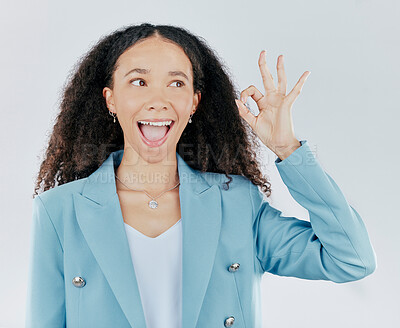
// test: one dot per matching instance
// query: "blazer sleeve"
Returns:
(333, 246)
(45, 303)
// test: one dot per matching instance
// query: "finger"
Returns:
(291, 97)
(246, 114)
(254, 93)
(282, 81)
(265, 74)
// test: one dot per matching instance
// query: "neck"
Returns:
(153, 173)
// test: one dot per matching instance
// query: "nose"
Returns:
(157, 102)
(157, 106)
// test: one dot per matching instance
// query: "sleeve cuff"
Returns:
(301, 156)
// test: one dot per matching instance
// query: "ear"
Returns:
(196, 100)
(108, 95)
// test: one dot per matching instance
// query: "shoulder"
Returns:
(240, 187)
(58, 201)
(62, 192)
(238, 182)
(242, 199)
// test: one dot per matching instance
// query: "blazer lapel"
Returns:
(99, 216)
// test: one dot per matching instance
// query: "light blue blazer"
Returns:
(81, 273)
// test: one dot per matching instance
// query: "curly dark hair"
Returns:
(84, 126)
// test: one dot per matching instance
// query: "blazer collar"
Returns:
(104, 176)
(99, 216)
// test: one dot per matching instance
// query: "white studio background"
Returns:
(348, 111)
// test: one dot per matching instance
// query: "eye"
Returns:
(135, 81)
(179, 82)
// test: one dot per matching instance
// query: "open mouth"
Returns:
(154, 136)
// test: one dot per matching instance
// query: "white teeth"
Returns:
(156, 123)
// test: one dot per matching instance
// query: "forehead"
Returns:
(155, 54)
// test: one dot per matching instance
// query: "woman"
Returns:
(142, 229)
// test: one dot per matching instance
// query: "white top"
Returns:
(158, 268)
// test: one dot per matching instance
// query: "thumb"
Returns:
(245, 113)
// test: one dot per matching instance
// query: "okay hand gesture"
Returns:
(273, 125)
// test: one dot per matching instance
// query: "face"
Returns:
(153, 82)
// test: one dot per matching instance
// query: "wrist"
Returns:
(284, 152)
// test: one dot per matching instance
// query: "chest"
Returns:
(150, 222)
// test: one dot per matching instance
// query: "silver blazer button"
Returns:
(229, 322)
(234, 267)
(78, 282)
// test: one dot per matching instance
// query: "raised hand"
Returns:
(273, 125)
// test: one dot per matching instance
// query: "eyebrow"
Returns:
(146, 71)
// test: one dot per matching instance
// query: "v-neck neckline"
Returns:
(148, 237)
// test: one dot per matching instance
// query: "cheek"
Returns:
(128, 107)
(127, 102)
(126, 98)
(183, 104)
